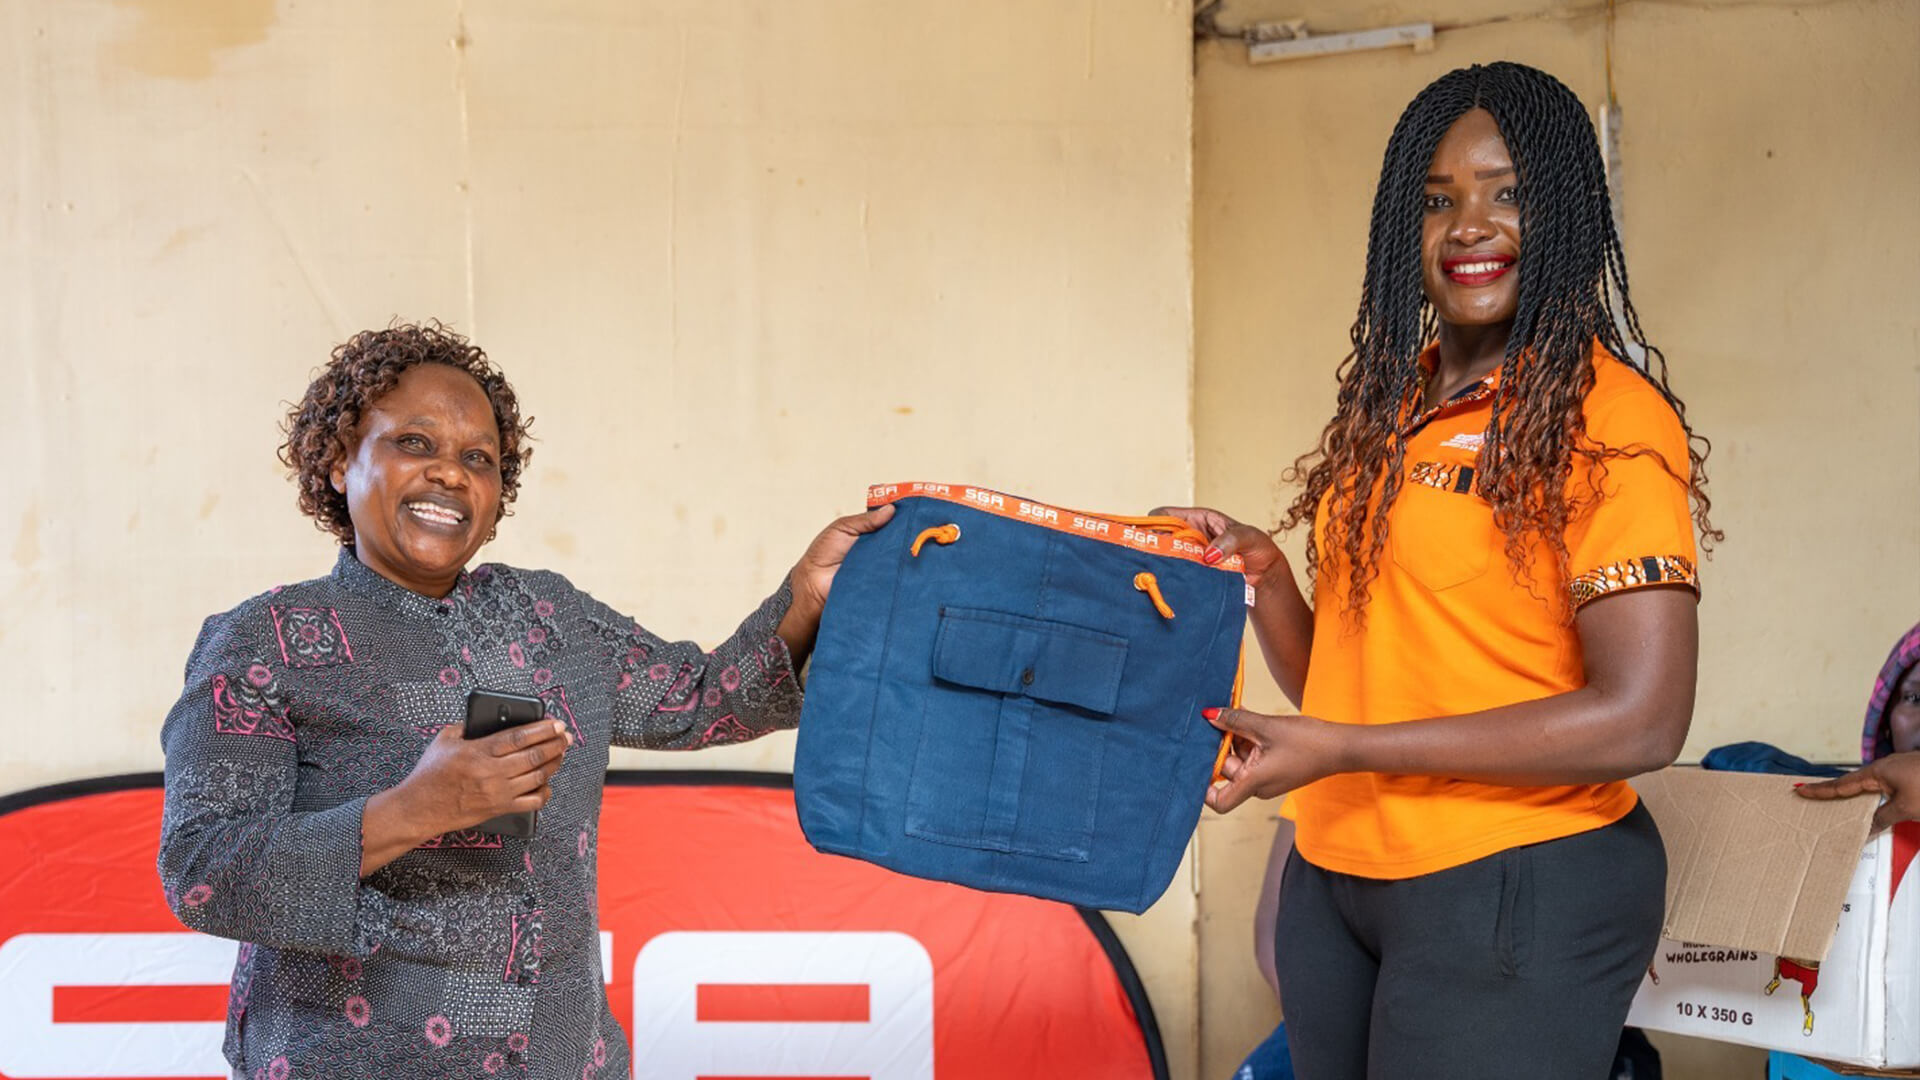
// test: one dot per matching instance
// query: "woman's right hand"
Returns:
(459, 783)
(1897, 776)
(1229, 537)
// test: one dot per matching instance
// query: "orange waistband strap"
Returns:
(1166, 536)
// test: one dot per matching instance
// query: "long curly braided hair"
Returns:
(1571, 272)
(324, 427)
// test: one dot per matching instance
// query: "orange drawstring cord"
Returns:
(1220, 759)
(939, 534)
(1147, 583)
(1226, 738)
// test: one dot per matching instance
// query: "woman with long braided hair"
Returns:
(1503, 629)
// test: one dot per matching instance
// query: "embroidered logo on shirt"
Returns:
(1446, 476)
(1466, 441)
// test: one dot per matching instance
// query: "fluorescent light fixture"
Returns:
(1418, 35)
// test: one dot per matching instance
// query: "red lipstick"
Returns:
(1474, 270)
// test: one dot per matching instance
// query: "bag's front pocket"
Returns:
(1013, 734)
(1442, 537)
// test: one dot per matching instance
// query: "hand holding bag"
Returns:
(1007, 695)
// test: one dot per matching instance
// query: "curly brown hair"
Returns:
(1575, 274)
(323, 428)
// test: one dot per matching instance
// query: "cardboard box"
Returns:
(1782, 930)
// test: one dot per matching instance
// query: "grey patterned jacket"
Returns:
(475, 954)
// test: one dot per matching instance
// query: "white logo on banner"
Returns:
(32, 965)
(893, 1042)
(891, 972)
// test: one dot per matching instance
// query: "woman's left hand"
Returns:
(1272, 755)
(812, 576)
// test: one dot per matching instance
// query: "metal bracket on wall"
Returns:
(1289, 39)
(1293, 42)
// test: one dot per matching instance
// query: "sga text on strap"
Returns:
(1165, 536)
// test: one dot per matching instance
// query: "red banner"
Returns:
(729, 944)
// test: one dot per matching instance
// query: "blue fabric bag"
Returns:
(1271, 1060)
(1759, 757)
(1007, 695)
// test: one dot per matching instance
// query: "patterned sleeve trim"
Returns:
(1633, 574)
(677, 696)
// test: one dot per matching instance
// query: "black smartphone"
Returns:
(491, 711)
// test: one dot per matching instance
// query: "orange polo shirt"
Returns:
(1450, 630)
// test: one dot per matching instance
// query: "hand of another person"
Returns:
(1229, 537)
(1272, 755)
(812, 576)
(1897, 776)
(459, 783)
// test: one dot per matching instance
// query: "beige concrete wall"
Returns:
(1774, 247)
(740, 259)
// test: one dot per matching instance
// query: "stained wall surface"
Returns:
(740, 260)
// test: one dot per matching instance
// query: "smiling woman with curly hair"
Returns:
(322, 804)
(323, 427)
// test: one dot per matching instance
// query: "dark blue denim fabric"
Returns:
(1268, 1061)
(1759, 757)
(1008, 712)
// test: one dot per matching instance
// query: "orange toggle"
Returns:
(939, 534)
(1147, 583)
(1220, 759)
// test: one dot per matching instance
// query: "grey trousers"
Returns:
(1521, 964)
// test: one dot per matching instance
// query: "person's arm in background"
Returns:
(1266, 912)
(1896, 776)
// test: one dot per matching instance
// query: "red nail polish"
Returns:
(1210, 713)
(1212, 555)
(1799, 785)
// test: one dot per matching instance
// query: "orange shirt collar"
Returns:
(1428, 360)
